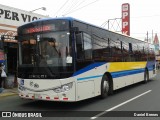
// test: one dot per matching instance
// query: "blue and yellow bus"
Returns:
(65, 59)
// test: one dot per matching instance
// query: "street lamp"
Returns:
(43, 8)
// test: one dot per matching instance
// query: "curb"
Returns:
(7, 94)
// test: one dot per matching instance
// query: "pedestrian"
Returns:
(2, 77)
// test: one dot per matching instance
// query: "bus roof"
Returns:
(44, 19)
(74, 19)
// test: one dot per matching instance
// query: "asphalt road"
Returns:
(127, 103)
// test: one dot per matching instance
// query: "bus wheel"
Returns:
(146, 76)
(104, 87)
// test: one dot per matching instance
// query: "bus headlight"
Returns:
(63, 88)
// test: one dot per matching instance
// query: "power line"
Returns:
(72, 4)
(81, 7)
(146, 16)
(61, 7)
(75, 6)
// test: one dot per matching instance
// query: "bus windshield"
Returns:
(45, 50)
(48, 49)
(49, 52)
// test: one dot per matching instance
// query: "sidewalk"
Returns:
(10, 90)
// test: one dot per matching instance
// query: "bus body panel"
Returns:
(124, 81)
(85, 89)
(89, 80)
(126, 66)
(46, 90)
(123, 74)
(87, 83)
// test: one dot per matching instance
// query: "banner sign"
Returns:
(126, 19)
(11, 18)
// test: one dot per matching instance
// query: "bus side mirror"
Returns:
(69, 60)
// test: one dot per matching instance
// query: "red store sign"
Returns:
(126, 19)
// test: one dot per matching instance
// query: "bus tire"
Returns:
(146, 76)
(104, 87)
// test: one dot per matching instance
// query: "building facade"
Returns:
(10, 19)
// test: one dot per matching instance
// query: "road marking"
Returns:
(102, 113)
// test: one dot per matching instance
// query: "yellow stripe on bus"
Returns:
(122, 66)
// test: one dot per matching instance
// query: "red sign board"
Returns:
(39, 29)
(126, 18)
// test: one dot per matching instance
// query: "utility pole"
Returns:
(147, 46)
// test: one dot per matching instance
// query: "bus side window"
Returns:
(87, 46)
(125, 51)
(79, 46)
(84, 46)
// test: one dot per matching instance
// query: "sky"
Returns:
(144, 14)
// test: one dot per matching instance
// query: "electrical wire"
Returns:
(81, 7)
(70, 6)
(73, 7)
(61, 7)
